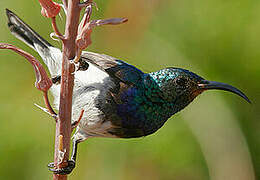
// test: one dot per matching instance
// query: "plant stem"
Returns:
(63, 125)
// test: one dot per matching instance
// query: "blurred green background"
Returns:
(216, 137)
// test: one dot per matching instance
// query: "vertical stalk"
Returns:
(63, 125)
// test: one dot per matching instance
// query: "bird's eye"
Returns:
(181, 82)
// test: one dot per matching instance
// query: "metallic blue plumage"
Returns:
(148, 105)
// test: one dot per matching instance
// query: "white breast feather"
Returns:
(88, 86)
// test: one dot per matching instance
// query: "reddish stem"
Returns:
(48, 105)
(63, 126)
(55, 28)
(43, 82)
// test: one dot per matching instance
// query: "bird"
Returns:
(119, 100)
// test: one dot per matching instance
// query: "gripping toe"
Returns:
(62, 171)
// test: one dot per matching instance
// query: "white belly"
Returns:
(90, 86)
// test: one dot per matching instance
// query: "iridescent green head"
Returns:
(181, 86)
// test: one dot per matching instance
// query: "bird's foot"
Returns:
(62, 171)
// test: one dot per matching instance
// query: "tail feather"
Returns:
(24, 32)
(50, 55)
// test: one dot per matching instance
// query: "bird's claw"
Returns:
(62, 171)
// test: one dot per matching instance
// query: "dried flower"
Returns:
(49, 8)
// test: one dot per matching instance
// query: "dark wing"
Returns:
(116, 68)
(125, 76)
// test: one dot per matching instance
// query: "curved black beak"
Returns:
(206, 85)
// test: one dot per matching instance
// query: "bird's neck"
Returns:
(158, 108)
(145, 108)
(165, 104)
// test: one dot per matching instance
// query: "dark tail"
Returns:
(24, 32)
(50, 55)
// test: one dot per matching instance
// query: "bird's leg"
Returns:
(71, 163)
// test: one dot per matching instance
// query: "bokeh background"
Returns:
(216, 138)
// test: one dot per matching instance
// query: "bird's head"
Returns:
(182, 86)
